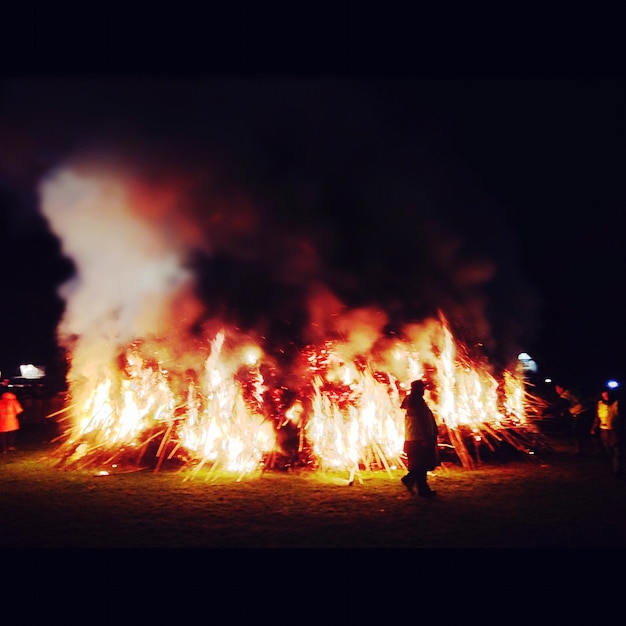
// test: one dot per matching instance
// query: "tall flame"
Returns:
(346, 416)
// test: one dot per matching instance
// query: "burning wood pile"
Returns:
(337, 408)
(205, 331)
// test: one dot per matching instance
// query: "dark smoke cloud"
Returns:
(274, 190)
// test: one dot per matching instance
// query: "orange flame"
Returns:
(346, 416)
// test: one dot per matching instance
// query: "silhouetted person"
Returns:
(582, 416)
(420, 441)
(608, 422)
(10, 408)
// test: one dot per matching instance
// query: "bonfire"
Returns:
(236, 414)
(157, 377)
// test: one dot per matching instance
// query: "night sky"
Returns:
(495, 199)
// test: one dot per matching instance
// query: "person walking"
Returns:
(420, 441)
(10, 408)
(607, 421)
(582, 415)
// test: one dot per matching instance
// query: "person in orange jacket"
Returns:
(10, 408)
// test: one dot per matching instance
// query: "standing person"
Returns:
(420, 441)
(582, 417)
(10, 408)
(607, 420)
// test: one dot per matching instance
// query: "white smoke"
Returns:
(273, 199)
(128, 269)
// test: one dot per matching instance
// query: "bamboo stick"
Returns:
(63, 419)
(67, 408)
(111, 457)
(489, 431)
(300, 438)
(477, 451)
(382, 458)
(142, 449)
(195, 470)
(161, 448)
(63, 434)
(354, 470)
(173, 452)
(460, 449)
(212, 470)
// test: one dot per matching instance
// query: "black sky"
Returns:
(497, 196)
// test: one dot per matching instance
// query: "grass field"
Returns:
(557, 500)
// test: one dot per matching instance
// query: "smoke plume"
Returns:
(291, 210)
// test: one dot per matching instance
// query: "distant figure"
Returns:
(420, 441)
(608, 422)
(10, 408)
(582, 417)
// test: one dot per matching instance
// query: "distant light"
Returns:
(527, 362)
(612, 384)
(547, 380)
(32, 371)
